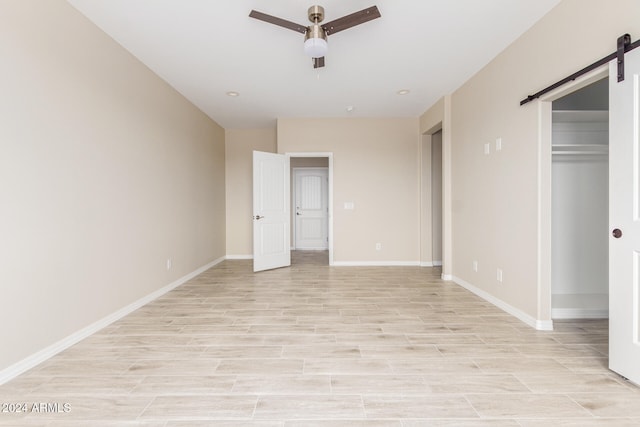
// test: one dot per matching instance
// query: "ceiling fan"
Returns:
(315, 35)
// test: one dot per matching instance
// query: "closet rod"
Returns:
(624, 46)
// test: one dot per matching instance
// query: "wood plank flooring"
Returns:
(313, 345)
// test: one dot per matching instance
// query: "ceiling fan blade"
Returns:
(318, 62)
(278, 21)
(351, 20)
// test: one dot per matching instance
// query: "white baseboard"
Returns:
(233, 257)
(376, 263)
(349, 263)
(541, 325)
(431, 264)
(579, 313)
(35, 359)
(446, 277)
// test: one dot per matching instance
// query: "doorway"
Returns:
(436, 198)
(311, 207)
(431, 202)
(580, 203)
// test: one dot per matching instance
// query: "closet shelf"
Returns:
(572, 116)
(573, 149)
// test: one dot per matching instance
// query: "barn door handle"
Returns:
(258, 217)
(617, 233)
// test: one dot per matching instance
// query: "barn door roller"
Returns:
(623, 43)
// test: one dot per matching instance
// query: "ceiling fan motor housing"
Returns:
(316, 14)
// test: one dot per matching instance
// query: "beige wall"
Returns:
(376, 166)
(240, 145)
(432, 120)
(105, 173)
(495, 197)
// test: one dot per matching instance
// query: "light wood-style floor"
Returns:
(314, 345)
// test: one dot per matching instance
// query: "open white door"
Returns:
(271, 211)
(624, 218)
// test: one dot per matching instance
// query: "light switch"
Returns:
(349, 205)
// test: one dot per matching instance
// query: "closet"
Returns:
(580, 170)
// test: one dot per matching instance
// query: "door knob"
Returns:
(258, 217)
(617, 233)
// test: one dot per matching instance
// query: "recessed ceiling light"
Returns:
(233, 93)
(403, 92)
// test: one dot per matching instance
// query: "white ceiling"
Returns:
(206, 48)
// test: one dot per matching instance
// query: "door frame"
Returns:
(329, 156)
(294, 195)
(545, 120)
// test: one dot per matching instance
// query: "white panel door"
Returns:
(271, 211)
(311, 208)
(624, 219)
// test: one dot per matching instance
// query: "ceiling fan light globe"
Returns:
(315, 47)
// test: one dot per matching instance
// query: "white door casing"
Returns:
(624, 215)
(271, 211)
(311, 208)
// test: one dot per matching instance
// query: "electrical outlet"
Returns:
(499, 275)
(498, 144)
(168, 263)
(378, 246)
(475, 266)
(487, 148)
